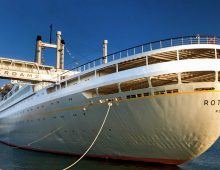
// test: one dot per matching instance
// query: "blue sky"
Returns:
(86, 23)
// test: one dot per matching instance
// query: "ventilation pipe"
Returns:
(59, 53)
(62, 54)
(38, 50)
(58, 49)
(105, 45)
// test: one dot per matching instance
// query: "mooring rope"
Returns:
(91, 145)
(40, 139)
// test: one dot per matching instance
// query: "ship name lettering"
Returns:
(14, 73)
(29, 75)
(211, 102)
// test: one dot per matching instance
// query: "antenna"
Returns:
(51, 29)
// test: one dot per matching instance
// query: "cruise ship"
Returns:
(164, 96)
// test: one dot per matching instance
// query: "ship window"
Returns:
(106, 70)
(204, 89)
(132, 64)
(91, 93)
(165, 79)
(162, 57)
(134, 84)
(173, 91)
(219, 76)
(218, 54)
(63, 85)
(87, 76)
(139, 95)
(51, 89)
(146, 94)
(70, 99)
(72, 81)
(109, 89)
(196, 53)
(198, 76)
(159, 92)
(133, 96)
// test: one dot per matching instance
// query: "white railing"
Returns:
(186, 40)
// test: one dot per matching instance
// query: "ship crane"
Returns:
(35, 71)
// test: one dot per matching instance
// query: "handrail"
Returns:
(170, 42)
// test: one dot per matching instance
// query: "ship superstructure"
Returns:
(164, 95)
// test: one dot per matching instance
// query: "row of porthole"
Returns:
(55, 117)
(38, 107)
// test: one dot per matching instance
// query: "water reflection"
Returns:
(17, 159)
(13, 158)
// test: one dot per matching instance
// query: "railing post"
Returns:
(171, 42)
(160, 44)
(113, 57)
(179, 78)
(177, 55)
(119, 87)
(146, 60)
(182, 40)
(79, 79)
(134, 51)
(191, 40)
(120, 54)
(150, 46)
(127, 53)
(93, 63)
(142, 48)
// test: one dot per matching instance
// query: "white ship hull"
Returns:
(170, 128)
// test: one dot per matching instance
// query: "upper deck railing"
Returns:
(185, 40)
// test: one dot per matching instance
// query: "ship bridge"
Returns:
(26, 71)
(36, 71)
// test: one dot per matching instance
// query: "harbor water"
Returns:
(17, 159)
